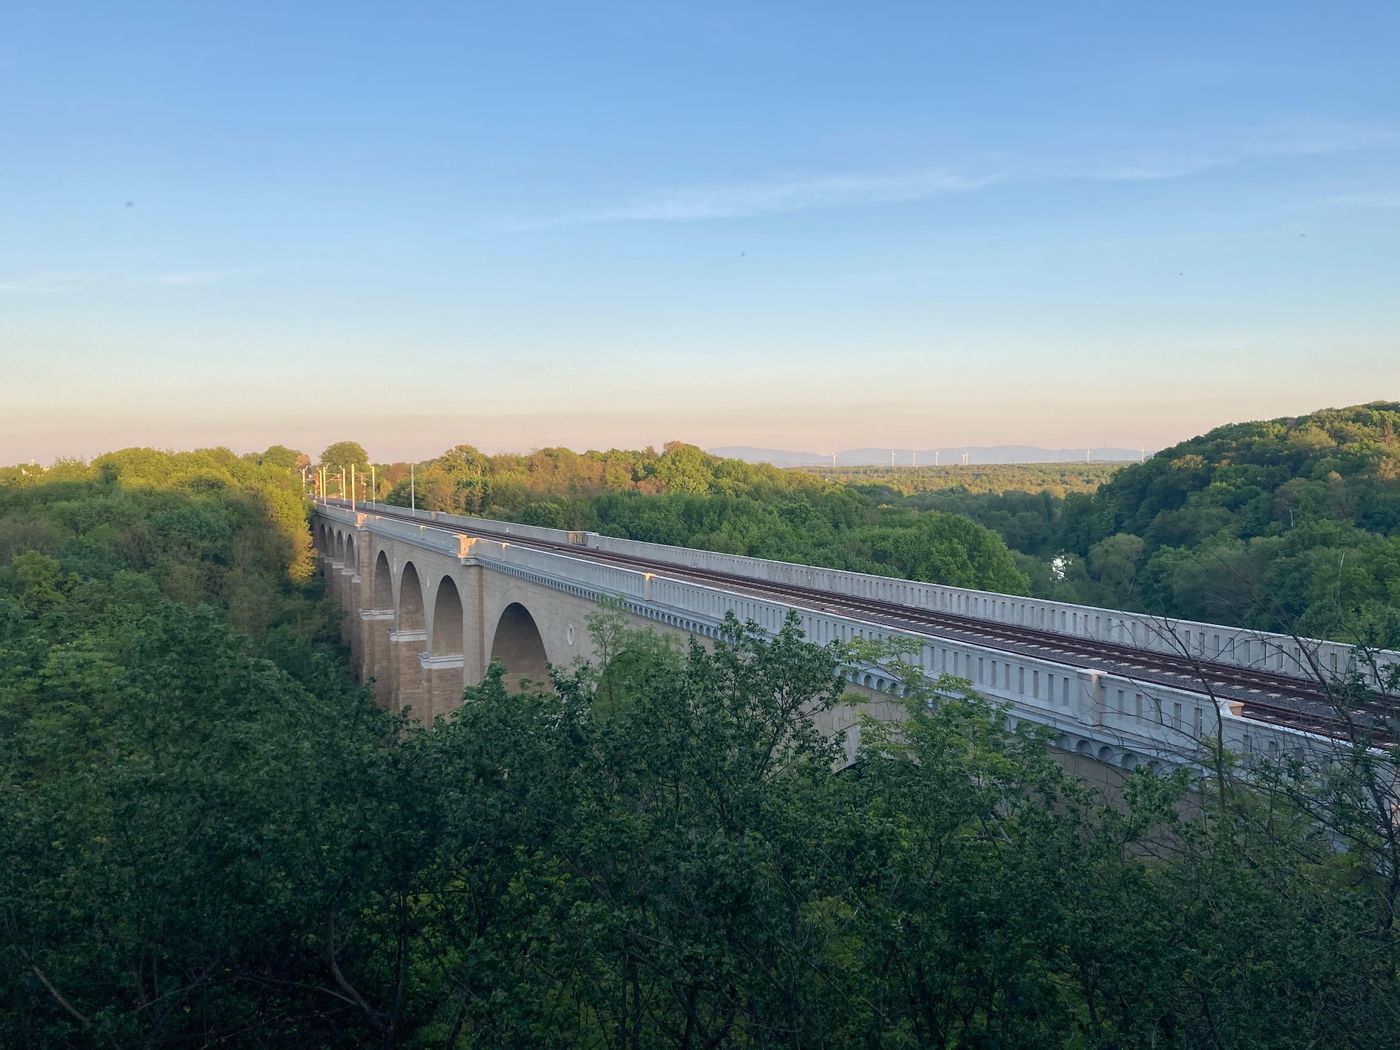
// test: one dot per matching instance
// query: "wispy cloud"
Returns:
(1294, 139)
(42, 283)
(743, 200)
(699, 203)
(217, 275)
(1374, 199)
(54, 283)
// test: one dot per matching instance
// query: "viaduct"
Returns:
(429, 600)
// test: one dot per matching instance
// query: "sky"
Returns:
(793, 225)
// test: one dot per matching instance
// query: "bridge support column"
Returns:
(405, 648)
(375, 625)
(442, 684)
(329, 568)
(348, 596)
(470, 583)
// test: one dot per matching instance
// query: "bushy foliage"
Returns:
(211, 838)
(684, 497)
(174, 717)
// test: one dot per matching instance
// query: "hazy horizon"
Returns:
(391, 445)
(785, 226)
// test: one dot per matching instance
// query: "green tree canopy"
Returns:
(284, 457)
(211, 838)
(344, 453)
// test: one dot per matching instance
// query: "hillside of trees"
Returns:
(1287, 524)
(684, 496)
(1056, 479)
(210, 837)
(1290, 524)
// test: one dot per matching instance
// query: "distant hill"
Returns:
(778, 457)
(876, 457)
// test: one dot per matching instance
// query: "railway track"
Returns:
(1280, 699)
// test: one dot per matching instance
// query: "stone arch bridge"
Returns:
(428, 601)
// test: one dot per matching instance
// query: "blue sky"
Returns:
(796, 225)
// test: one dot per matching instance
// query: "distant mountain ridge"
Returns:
(927, 457)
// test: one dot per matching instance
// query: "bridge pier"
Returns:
(442, 684)
(374, 663)
(329, 568)
(348, 592)
(406, 648)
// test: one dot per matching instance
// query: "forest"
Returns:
(683, 496)
(1288, 525)
(211, 837)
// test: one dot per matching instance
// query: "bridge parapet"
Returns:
(548, 566)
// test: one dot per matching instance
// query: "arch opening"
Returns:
(447, 620)
(410, 600)
(383, 583)
(518, 647)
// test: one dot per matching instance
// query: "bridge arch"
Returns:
(518, 645)
(350, 560)
(447, 634)
(410, 600)
(383, 582)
